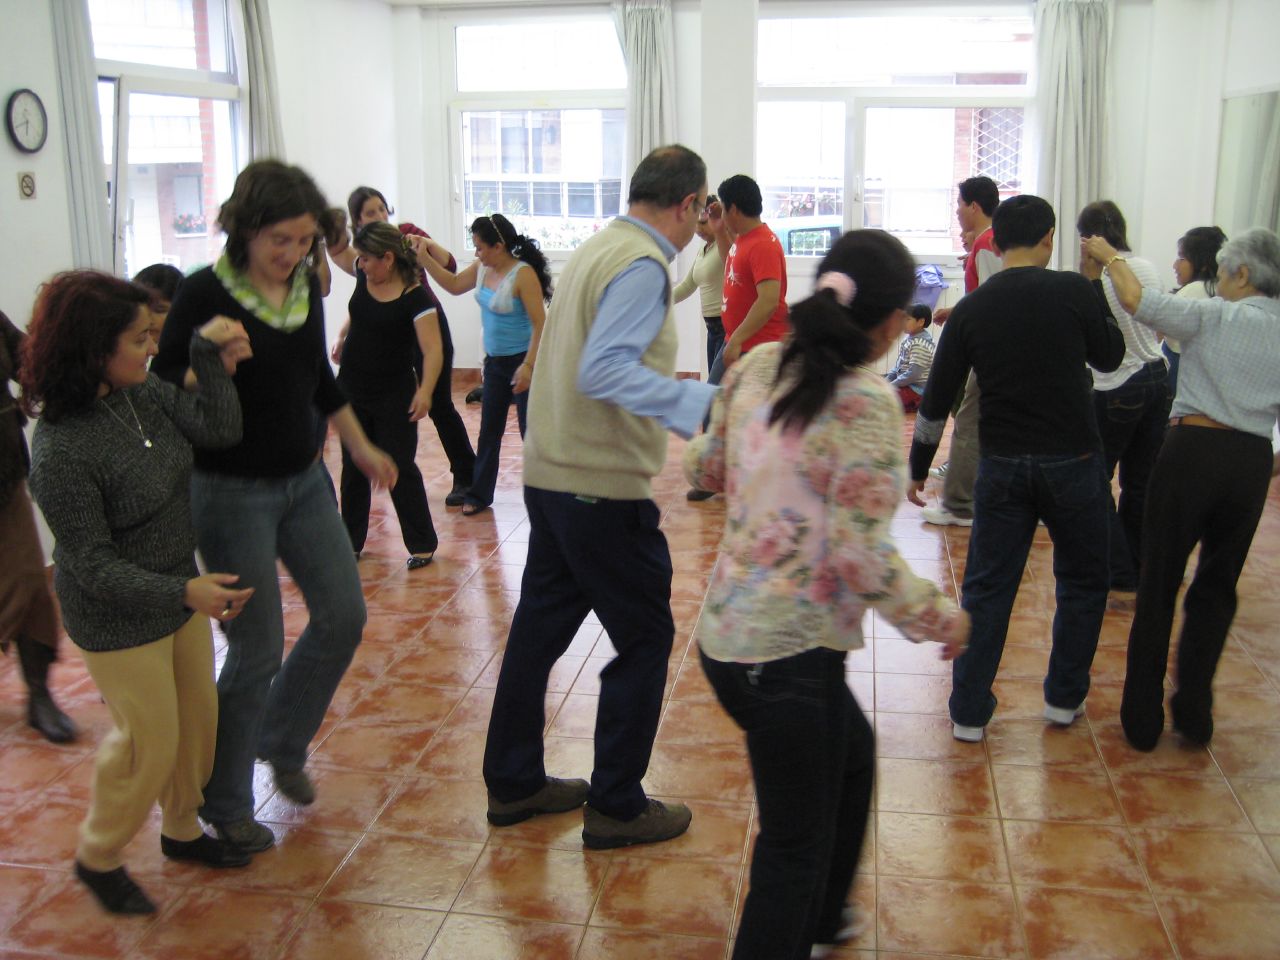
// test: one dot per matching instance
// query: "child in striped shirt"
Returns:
(915, 357)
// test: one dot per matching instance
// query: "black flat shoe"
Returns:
(458, 495)
(417, 563)
(115, 890)
(470, 509)
(205, 849)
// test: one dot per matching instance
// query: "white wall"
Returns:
(1251, 60)
(37, 231)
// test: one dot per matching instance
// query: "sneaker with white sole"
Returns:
(1063, 716)
(940, 473)
(967, 734)
(942, 517)
(852, 925)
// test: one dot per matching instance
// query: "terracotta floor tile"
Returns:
(1261, 801)
(549, 885)
(300, 864)
(440, 666)
(1215, 865)
(457, 631)
(68, 920)
(1172, 755)
(404, 873)
(1039, 744)
(1155, 800)
(412, 703)
(42, 833)
(940, 848)
(563, 678)
(438, 809)
(940, 916)
(923, 786)
(896, 655)
(346, 800)
(1018, 699)
(606, 944)
(359, 931)
(1246, 709)
(456, 753)
(719, 832)
(1222, 929)
(915, 736)
(576, 717)
(22, 887)
(700, 771)
(698, 722)
(1068, 924)
(907, 693)
(378, 747)
(25, 767)
(261, 923)
(465, 936)
(669, 896)
(1247, 753)
(1072, 855)
(1046, 793)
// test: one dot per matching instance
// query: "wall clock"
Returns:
(26, 120)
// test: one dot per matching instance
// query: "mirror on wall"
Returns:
(1248, 193)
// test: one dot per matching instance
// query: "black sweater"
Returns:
(282, 388)
(1028, 334)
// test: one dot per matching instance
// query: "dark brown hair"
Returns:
(267, 192)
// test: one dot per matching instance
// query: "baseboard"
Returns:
(471, 376)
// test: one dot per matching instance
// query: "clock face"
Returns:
(27, 123)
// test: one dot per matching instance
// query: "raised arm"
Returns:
(432, 257)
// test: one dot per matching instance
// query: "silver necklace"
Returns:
(146, 441)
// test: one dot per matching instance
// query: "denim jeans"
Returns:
(813, 759)
(715, 340)
(1070, 495)
(268, 710)
(1132, 420)
(494, 405)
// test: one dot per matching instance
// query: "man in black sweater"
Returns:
(1027, 333)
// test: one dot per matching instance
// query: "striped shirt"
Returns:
(1140, 344)
(915, 359)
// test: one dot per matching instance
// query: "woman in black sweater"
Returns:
(111, 463)
(269, 497)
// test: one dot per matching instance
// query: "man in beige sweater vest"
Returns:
(602, 398)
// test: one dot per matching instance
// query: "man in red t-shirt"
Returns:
(754, 310)
(977, 201)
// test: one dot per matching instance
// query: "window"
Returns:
(169, 105)
(540, 121)
(910, 127)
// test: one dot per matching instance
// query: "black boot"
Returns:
(42, 713)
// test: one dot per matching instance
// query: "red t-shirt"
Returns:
(756, 256)
(983, 249)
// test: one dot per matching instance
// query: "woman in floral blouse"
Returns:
(806, 443)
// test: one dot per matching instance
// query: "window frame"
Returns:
(130, 78)
(858, 99)
(458, 103)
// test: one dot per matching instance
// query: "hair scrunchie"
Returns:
(843, 285)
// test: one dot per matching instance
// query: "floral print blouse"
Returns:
(806, 546)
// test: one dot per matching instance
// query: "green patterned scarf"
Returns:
(290, 316)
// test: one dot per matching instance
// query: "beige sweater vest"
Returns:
(575, 444)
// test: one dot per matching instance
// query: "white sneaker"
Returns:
(852, 925)
(940, 473)
(1063, 716)
(967, 734)
(942, 517)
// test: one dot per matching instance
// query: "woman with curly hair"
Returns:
(393, 324)
(111, 465)
(268, 499)
(512, 285)
(806, 443)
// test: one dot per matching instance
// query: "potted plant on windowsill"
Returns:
(187, 224)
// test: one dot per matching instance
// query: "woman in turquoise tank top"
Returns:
(512, 310)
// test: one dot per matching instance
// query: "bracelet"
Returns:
(1107, 265)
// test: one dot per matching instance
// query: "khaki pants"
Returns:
(962, 469)
(165, 706)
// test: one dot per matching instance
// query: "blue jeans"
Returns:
(813, 759)
(494, 405)
(1010, 495)
(265, 709)
(1132, 420)
(715, 341)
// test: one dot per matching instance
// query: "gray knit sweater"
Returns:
(121, 511)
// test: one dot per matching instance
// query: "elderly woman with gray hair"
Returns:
(1210, 480)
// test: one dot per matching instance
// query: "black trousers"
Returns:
(448, 422)
(385, 418)
(586, 553)
(1209, 487)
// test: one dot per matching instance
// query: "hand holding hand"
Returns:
(1098, 249)
(914, 490)
(211, 595)
(222, 330)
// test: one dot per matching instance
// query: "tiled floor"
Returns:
(1038, 843)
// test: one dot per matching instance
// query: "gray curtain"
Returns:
(82, 129)
(263, 129)
(648, 45)
(1072, 92)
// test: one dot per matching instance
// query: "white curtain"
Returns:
(263, 129)
(81, 127)
(649, 45)
(1072, 92)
